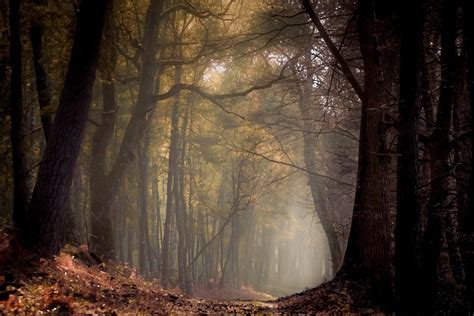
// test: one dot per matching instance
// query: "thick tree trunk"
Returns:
(407, 230)
(46, 215)
(20, 180)
(369, 240)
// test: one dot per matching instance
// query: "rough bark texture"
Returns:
(46, 215)
(20, 183)
(407, 229)
(369, 240)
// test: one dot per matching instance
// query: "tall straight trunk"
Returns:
(130, 245)
(186, 214)
(46, 214)
(121, 221)
(369, 240)
(467, 217)
(172, 200)
(461, 126)
(438, 205)
(145, 256)
(102, 239)
(309, 152)
(102, 138)
(20, 180)
(407, 229)
(157, 235)
(43, 87)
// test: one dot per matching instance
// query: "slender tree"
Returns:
(20, 181)
(102, 239)
(43, 86)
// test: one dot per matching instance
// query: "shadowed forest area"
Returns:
(237, 156)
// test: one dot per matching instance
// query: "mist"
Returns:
(278, 156)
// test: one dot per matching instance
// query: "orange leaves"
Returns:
(11, 304)
(55, 301)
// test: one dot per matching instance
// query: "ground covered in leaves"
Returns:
(73, 283)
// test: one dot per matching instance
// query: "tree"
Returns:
(407, 229)
(43, 86)
(370, 220)
(45, 218)
(467, 215)
(102, 239)
(20, 185)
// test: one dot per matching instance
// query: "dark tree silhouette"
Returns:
(45, 219)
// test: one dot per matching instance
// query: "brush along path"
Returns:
(69, 285)
(74, 282)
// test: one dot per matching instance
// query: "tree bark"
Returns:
(46, 216)
(20, 180)
(369, 240)
(145, 256)
(407, 229)
(439, 147)
(467, 217)
(43, 87)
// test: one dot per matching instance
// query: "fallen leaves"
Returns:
(68, 284)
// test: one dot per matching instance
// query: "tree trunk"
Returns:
(103, 135)
(157, 235)
(369, 240)
(43, 87)
(467, 217)
(145, 256)
(20, 180)
(182, 202)
(46, 215)
(438, 205)
(102, 239)
(324, 214)
(172, 200)
(407, 230)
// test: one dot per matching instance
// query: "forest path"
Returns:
(198, 306)
(67, 284)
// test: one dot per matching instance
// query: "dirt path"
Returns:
(197, 306)
(67, 285)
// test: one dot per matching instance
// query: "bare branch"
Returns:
(332, 47)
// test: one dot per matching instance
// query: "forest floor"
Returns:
(70, 283)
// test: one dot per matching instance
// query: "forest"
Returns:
(237, 157)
